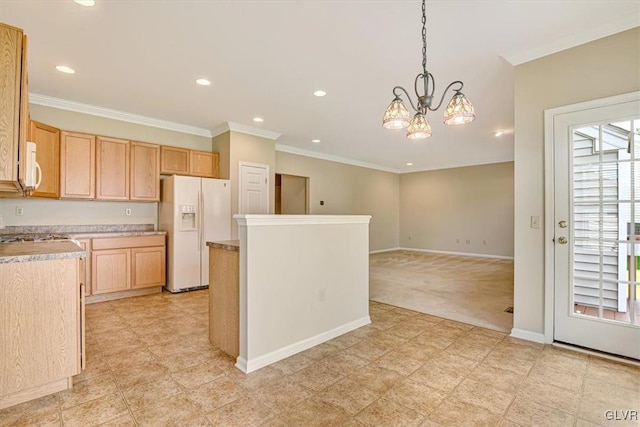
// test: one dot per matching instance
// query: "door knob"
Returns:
(562, 224)
(562, 240)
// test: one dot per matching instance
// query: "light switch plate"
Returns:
(19, 211)
(535, 221)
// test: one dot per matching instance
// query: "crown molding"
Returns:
(580, 37)
(240, 128)
(64, 104)
(299, 151)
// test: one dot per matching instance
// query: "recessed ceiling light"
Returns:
(203, 82)
(315, 141)
(65, 69)
(319, 93)
(498, 132)
(87, 3)
(258, 119)
(409, 164)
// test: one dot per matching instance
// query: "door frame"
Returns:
(550, 116)
(256, 165)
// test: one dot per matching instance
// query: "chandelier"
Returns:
(458, 111)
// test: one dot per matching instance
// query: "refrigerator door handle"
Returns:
(201, 221)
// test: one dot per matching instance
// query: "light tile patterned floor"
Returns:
(150, 364)
(467, 289)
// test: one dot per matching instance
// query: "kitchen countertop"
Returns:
(39, 251)
(229, 245)
(99, 234)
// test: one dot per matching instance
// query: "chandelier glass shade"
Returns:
(419, 127)
(458, 111)
(397, 116)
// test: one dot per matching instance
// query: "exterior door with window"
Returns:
(597, 227)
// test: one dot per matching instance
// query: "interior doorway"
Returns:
(292, 194)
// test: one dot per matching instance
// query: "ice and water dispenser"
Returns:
(188, 218)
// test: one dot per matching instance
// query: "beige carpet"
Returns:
(467, 289)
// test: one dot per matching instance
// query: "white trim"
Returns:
(529, 336)
(612, 26)
(330, 157)
(261, 220)
(249, 130)
(550, 116)
(63, 104)
(431, 251)
(594, 353)
(379, 251)
(254, 364)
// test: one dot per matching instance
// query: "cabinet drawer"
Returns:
(127, 242)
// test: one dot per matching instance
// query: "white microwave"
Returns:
(33, 173)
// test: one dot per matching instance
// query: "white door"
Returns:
(216, 219)
(254, 189)
(596, 155)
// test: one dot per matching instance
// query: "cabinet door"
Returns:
(47, 141)
(204, 164)
(110, 271)
(10, 81)
(112, 169)
(77, 166)
(147, 267)
(84, 266)
(145, 172)
(174, 161)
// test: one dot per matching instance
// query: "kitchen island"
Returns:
(42, 307)
(302, 280)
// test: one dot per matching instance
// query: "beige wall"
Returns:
(221, 144)
(293, 190)
(599, 69)
(443, 209)
(350, 190)
(79, 122)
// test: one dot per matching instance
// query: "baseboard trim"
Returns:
(379, 251)
(251, 365)
(523, 334)
(470, 254)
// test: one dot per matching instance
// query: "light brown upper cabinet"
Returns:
(204, 164)
(112, 169)
(145, 172)
(47, 141)
(77, 166)
(14, 108)
(174, 160)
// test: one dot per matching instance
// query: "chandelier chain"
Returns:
(424, 37)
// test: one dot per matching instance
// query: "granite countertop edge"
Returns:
(39, 251)
(228, 245)
(107, 234)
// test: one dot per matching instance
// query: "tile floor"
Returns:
(467, 289)
(150, 364)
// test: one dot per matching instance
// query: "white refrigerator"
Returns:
(193, 211)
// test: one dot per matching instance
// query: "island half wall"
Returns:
(304, 279)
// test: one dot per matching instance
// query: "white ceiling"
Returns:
(265, 58)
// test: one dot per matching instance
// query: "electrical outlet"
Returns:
(127, 211)
(409, 237)
(484, 242)
(458, 241)
(321, 295)
(468, 241)
(19, 211)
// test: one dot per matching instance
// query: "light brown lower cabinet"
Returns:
(124, 263)
(41, 334)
